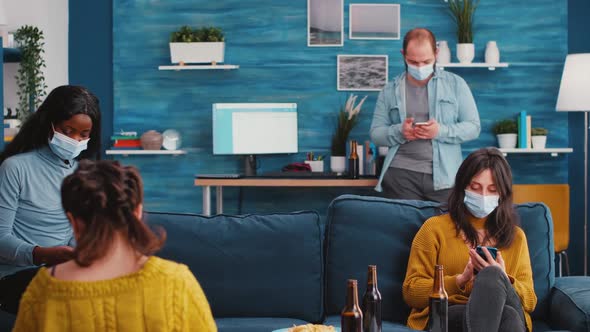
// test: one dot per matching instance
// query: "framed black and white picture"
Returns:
(374, 21)
(325, 23)
(362, 72)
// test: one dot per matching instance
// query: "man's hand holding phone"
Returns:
(426, 130)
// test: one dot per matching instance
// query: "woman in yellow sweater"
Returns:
(501, 296)
(113, 283)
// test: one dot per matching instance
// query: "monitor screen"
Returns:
(254, 128)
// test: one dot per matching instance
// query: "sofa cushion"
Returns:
(372, 230)
(255, 324)
(253, 265)
(570, 303)
(537, 224)
(386, 327)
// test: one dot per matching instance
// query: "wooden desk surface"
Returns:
(249, 182)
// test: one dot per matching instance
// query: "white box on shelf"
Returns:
(203, 52)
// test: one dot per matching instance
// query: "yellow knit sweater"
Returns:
(162, 296)
(436, 243)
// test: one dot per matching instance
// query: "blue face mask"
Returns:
(421, 73)
(479, 205)
(67, 148)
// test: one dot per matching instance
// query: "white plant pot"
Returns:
(492, 54)
(316, 165)
(444, 53)
(337, 164)
(507, 141)
(205, 52)
(465, 53)
(539, 142)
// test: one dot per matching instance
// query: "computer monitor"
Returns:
(254, 128)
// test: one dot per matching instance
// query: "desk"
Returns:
(249, 182)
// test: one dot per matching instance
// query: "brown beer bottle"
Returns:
(351, 318)
(353, 161)
(438, 319)
(372, 303)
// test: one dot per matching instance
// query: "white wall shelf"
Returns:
(490, 66)
(198, 67)
(145, 152)
(553, 151)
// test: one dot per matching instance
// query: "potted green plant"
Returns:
(507, 132)
(201, 45)
(346, 120)
(462, 12)
(29, 78)
(539, 137)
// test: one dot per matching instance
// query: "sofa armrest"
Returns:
(570, 304)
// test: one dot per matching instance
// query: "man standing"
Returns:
(423, 116)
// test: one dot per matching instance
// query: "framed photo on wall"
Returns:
(362, 72)
(325, 23)
(374, 21)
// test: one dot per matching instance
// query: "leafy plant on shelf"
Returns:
(462, 12)
(539, 132)
(507, 126)
(186, 34)
(29, 79)
(347, 120)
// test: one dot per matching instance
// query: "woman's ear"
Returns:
(139, 211)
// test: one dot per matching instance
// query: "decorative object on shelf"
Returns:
(202, 45)
(574, 97)
(492, 54)
(171, 140)
(325, 23)
(362, 72)
(506, 132)
(3, 24)
(374, 21)
(462, 13)
(347, 119)
(29, 79)
(316, 165)
(539, 137)
(151, 140)
(444, 53)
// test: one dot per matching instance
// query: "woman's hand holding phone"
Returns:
(479, 263)
(467, 275)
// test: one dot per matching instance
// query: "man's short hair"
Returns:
(419, 34)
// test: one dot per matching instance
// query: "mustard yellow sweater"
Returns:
(162, 296)
(436, 243)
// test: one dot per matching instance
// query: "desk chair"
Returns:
(557, 198)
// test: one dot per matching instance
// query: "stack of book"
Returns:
(126, 142)
(524, 130)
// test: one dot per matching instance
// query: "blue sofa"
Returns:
(265, 272)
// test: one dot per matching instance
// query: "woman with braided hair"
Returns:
(113, 283)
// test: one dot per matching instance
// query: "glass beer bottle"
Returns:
(351, 318)
(438, 317)
(372, 303)
(353, 161)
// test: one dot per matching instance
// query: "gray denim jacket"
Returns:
(453, 107)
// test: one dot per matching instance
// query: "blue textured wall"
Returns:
(268, 40)
(578, 42)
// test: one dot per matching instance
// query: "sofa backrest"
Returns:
(537, 224)
(370, 230)
(253, 265)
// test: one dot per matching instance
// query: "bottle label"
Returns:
(439, 315)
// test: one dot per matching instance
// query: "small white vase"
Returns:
(465, 52)
(444, 53)
(539, 142)
(492, 54)
(338, 164)
(507, 141)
